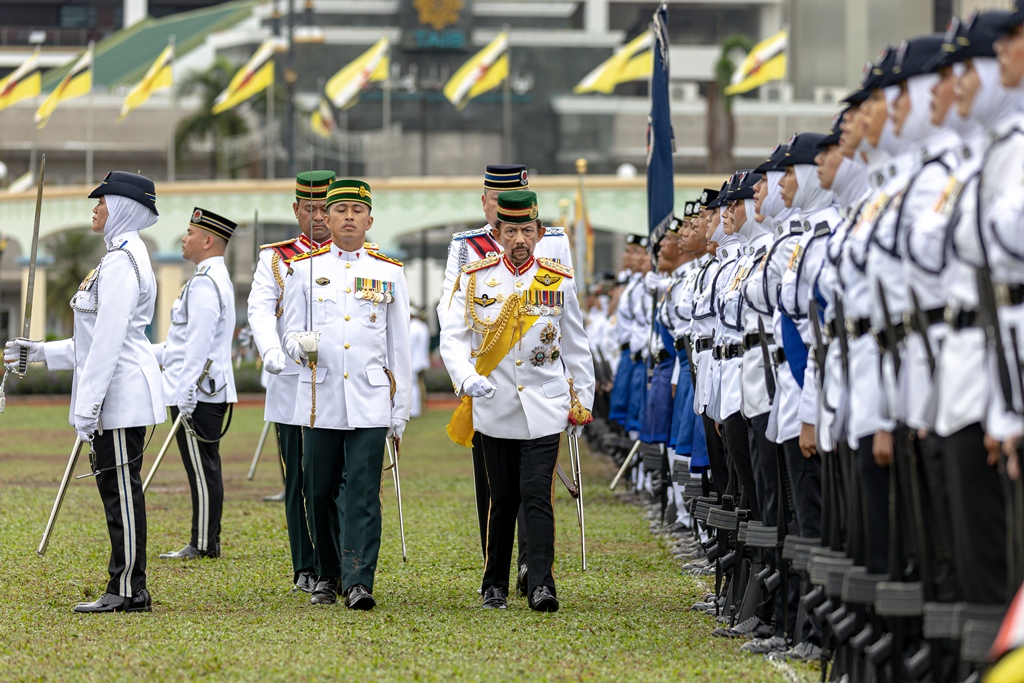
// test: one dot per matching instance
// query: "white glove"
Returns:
(187, 405)
(652, 281)
(397, 427)
(477, 386)
(575, 430)
(12, 351)
(86, 427)
(274, 361)
(294, 347)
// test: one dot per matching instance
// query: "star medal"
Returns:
(555, 354)
(538, 356)
(548, 334)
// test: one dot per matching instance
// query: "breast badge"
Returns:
(484, 300)
(323, 281)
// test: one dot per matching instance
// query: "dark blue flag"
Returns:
(660, 140)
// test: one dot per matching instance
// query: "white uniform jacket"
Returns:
(531, 397)
(116, 374)
(364, 339)
(202, 327)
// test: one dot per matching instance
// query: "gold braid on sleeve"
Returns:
(275, 261)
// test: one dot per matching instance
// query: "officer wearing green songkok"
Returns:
(346, 320)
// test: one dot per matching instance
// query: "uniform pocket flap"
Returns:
(377, 377)
(555, 387)
(305, 375)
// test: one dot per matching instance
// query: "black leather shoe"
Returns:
(108, 602)
(306, 582)
(543, 600)
(190, 552)
(522, 584)
(359, 598)
(495, 598)
(325, 593)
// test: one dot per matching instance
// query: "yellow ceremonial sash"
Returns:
(460, 427)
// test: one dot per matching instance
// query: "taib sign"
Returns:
(437, 25)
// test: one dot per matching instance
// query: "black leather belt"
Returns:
(624, 347)
(882, 337)
(779, 356)
(856, 329)
(638, 356)
(1009, 295)
(679, 344)
(730, 351)
(832, 328)
(704, 344)
(663, 356)
(751, 341)
(961, 319)
(932, 316)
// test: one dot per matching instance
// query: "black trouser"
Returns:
(483, 499)
(717, 461)
(764, 457)
(289, 445)
(119, 453)
(202, 465)
(520, 473)
(737, 443)
(342, 471)
(937, 505)
(805, 474)
(978, 515)
(874, 488)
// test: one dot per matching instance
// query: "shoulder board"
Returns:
(554, 266)
(554, 232)
(481, 264)
(822, 229)
(471, 233)
(203, 270)
(383, 257)
(371, 246)
(278, 244)
(305, 254)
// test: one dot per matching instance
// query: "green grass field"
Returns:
(234, 619)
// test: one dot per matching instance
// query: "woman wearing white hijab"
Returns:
(116, 392)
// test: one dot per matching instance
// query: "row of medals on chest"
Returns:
(530, 308)
(370, 290)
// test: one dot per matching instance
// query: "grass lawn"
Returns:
(626, 618)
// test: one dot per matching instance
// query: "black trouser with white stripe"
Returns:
(119, 453)
(202, 464)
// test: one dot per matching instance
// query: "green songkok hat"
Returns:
(312, 185)
(517, 206)
(349, 191)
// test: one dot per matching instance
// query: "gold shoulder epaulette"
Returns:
(554, 266)
(481, 264)
(278, 244)
(371, 246)
(306, 254)
(384, 257)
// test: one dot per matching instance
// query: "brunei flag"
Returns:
(484, 71)
(256, 76)
(632, 62)
(321, 121)
(22, 83)
(370, 67)
(75, 83)
(766, 62)
(159, 77)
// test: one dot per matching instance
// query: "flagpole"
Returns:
(271, 171)
(581, 265)
(171, 160)
(90, 120)
(507, 102)
(385, 126)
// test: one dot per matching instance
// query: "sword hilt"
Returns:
(22, 362)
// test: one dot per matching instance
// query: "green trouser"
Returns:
(289, 444)
(342, 470)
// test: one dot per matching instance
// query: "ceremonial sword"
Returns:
(259, 450)
(174, 429)
(392, 446)
(574, 465)
(61, 492)
(33, 256)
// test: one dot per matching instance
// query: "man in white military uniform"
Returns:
(283, 376)
(354, 390)
(524, 369)
(116, 393)
(199, 381)
(473, 245)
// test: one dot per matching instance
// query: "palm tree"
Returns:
(75, 253)
(208, 84)
(721, 127)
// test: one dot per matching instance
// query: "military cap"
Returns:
(211, 222)
(719, 197)
(835, 130)
(503, 177)
(744, 185)
(677, 222)
(974, 36)
(313, 185)
(706, 197)
(638, 240)
(873, 75)
(912, 58)
(803, 148)
(1015, 18)
(517, 206)
(349, 190)
(130, 185)
(772, 162)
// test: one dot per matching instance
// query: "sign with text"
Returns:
(437, 25)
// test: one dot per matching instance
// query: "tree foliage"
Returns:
(75, 253)
(203, 124)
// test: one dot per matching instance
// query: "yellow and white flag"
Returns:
(159, 77)
(256, 76)
(22, 83)
(75, 83)
(484, 71)
(344, 87)
(322, 120)
(634, 61)
(765, 62)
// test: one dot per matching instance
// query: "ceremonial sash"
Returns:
(460, 427)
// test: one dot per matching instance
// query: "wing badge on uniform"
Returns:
(492, 283)
(484, 300)
(547, 279)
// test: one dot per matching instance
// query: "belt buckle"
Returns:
(1002, 293)
(908, 321)
(951, 315)
(851, 327)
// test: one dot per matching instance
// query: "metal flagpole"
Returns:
(270, 133)
(385, 126)
(507, 105)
